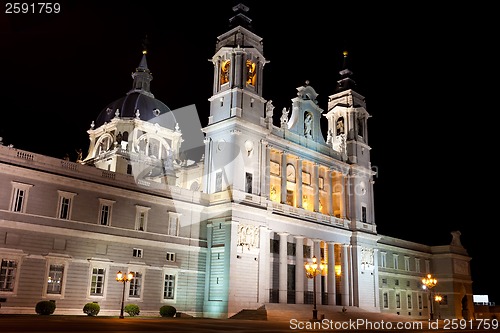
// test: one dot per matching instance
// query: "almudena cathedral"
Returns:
(227, 232)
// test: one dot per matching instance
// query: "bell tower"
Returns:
(239, 116)
(238, 67)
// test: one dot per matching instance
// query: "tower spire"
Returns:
(345, 82)
(142, 75)
(240, 17)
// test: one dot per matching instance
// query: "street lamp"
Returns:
(311, 272)
(120, 277)
(428, 283)
(438, 299)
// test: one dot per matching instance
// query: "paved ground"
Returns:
(72, 324)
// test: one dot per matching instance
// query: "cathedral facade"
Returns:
(233, 230)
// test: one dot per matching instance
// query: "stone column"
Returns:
(300, 272)
(375, 278)
(329, 190)
(264, 264)
(265, 158)
(342, 197)
(283, 177)
(315, 185)
(331, 274)
(345, 275)
(317, 253)
(283, 268)
(299, 183)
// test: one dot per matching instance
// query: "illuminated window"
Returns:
(8, 270)
(135, 285)
(224, 71)
(251, 72)
(169, 286)
(55, 279)
(97, 281)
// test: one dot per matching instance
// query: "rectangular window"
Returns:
(396, 282)
(395, 262)
(135, 285)
(398, 300)
(173, 224)
(274, 246)
(420, 302)
(363, 214)
(8, 274)
(407, 263)
(409, 301)
(64, 205)
(105, 211)
(383, 259)
(141, 217)
(290, 249)
(169, 286)
(137, 253)
(170, 256)
(97, 281)
(19, 197)
(55, 279)
(384, 281)
(248, 182)
(417, 265)
(307, 251)
(386, 300)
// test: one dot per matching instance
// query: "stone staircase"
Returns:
(303, 312)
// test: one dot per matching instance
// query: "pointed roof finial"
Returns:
(145, 44)
(345, 82)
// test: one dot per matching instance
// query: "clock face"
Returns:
(290, 172)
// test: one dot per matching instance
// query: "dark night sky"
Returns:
(423, 71)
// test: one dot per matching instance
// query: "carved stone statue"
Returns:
(269, 108)
(456, 238)
(284, 118)
(308, 126)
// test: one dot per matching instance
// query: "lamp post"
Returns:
(311, 272)
(428, 283)
(123, 278)
(438, 299)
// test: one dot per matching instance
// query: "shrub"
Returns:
(132, 309)
(45, 308)
(91, 309)
(167, 311)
